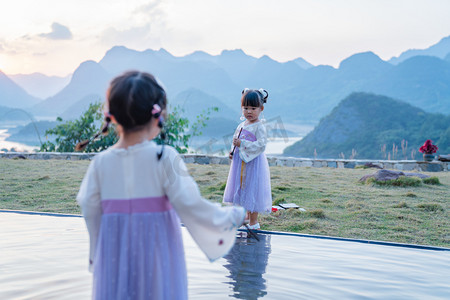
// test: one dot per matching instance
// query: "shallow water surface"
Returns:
(45, 257)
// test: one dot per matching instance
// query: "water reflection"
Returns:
(247, 262)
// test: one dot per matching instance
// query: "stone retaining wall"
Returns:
(404, 165)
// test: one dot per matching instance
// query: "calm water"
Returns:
(18, 146)
(275, 146)
(45, 257)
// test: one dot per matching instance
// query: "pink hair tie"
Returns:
(107, 116)
(156, 109)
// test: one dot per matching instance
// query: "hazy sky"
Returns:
(54, 36)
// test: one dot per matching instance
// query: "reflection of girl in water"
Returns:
(247, 263)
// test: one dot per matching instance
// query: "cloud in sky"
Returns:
(113, 36)
(59, 32)
(320, 31)
(145, 30)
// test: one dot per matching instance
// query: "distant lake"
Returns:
(19, 147)
(5, 131)
(275, 145)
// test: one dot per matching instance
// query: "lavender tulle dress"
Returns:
(133, 204)
(248, 183)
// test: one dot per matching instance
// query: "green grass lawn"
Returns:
(336, 203)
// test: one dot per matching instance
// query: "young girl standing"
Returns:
(248, 183)
(132, 196)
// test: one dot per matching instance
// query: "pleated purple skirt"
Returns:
(253, 191)
(140, 252)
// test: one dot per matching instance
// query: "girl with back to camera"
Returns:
(248, 183)
(131, 198)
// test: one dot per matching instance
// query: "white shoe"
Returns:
(254, 226)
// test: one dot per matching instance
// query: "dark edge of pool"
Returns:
(393, 244)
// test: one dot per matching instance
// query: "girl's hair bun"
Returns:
(265, 94)
(255, 98)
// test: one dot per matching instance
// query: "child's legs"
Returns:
(253, 218)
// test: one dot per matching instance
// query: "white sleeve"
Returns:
(211, 226)
(89, 199)
(250, 150)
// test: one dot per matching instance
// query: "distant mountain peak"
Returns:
(302, 63)
(444, 41)
(199, 56)
(266, 58)
(199, 52)
(163, 51)
(363, 58)
(86, 64)
(86, 71)
(440, 49)
(12, 95)
(118, 50)
(235, 52)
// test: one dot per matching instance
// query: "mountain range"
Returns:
(299, 92)
(40, 85)
(372, 126)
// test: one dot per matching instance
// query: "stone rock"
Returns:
(372, 165)
(421, 176)
(365, 177)
(385, 175)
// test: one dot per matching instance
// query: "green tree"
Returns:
(177, 129)
(68, 134)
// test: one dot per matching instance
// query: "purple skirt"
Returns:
(253, 192)
(140, 255)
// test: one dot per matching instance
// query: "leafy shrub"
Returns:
(401, 205)
(326, 200)
(402, 181)
(410, 194)
(432, 180)
(430, 206)
(317, 213)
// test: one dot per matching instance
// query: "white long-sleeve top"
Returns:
(136, 173)
(248, 150)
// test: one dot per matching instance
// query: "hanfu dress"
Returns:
(248, 183)
(132, 204)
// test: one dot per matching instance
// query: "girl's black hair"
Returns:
(255, 98)
(131, 99)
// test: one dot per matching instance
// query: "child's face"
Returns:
(251, 113)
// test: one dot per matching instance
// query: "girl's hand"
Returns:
(237, 142)
(230, 156)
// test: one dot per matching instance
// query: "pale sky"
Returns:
(54, 36)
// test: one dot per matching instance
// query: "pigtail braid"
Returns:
(81, 146)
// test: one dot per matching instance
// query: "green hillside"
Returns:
(376, 127)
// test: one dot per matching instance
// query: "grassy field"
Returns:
(336, 203)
